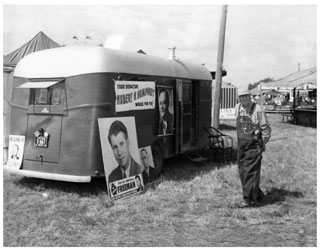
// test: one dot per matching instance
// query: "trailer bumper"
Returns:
(48, 176)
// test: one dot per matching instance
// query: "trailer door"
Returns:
(45, 114)
(185, 95)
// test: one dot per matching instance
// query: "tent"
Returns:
(38, 43)
(141, 51)
(291, 81)
(307, 82)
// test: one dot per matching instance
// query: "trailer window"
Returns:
(57, 94)
(41, 96)
(186, 92)
(53, 95)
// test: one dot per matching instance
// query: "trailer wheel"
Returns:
(157, 160)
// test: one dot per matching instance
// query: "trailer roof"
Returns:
(72, 61)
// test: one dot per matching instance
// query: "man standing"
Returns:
(166, 118)
(253, 132)
(119, 142)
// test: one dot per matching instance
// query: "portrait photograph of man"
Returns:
(15, 152)
(139, 184)
(147, 163)
(119, 148)
(165, 102)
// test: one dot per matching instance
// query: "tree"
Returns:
(255, 84)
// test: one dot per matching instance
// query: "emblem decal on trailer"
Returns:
(41, 138)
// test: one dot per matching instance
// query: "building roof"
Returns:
(227, 85)
(71, 61)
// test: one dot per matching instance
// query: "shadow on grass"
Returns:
(95, 187)
(176, 168)
(181, 168)
(276, 195)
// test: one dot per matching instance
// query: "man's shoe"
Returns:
(245, 203)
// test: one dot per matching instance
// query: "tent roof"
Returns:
(310, 79)
(294, 79)
(38, 43)
(141, 51)
(257, 91)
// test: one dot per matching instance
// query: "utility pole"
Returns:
(218, 76)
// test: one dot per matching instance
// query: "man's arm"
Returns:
(264, 127)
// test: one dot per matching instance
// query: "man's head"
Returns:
(244, 96)
(144, 157)
(163, 102)
(15, 150)
(119, 142)
(138, 181)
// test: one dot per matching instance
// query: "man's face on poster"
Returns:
(120, 148)
(163, 104)
(15, 150)
(144, 157)
(138, 182)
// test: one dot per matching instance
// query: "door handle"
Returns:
(41, 158)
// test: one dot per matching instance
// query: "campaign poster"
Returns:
(166, 113)
(126, 187)
(134, 95)
(147, 163)
(15, 151)
(120, 153)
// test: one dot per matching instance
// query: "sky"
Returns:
(260, 41)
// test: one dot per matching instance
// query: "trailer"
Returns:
(59, 94)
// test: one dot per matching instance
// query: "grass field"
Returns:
(189, 205)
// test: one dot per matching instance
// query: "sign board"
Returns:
(134, 95)
(227, 113)
(15, 151)
(126, 187)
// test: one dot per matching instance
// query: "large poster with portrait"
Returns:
(166, 111)
(121, 158)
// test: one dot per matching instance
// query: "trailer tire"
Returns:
(157, 155)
